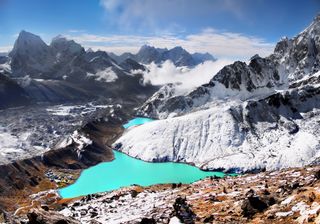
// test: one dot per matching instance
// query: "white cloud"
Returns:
(223, 45)
(228, 45)
(148, 13)
(189, 78)
(76, 31)
(156, 17)
(5, 49)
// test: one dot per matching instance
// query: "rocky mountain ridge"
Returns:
(292, 60)
(64, 72)
(252, 116)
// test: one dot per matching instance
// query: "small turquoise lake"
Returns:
(137, 121)
(125, 171)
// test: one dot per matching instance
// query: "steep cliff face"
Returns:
(261, 115)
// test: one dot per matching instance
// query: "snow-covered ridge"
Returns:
(299, 56)
(261, 115)
(229, 135)
(292, 60)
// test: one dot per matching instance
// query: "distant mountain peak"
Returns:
(61, 44)
(24, 33)
(28, 43)
(62, 39)
(59, 38)
(178, 48)
(26, 38)
(89, 50)
(146, 46)
(178, 55)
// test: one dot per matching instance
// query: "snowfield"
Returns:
(17, 146)
(213, 139)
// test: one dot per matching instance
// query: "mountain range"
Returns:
(64, 71)
(257, 116)
(178, 55)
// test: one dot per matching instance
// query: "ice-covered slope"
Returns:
(261, 115)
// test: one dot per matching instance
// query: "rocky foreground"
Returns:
(287, 196)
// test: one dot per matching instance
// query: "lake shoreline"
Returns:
(125, 171)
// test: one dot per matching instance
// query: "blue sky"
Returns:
(225, 28)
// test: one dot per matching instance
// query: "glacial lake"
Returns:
(125, 171)
(137, 121)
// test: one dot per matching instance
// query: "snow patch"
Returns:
(13, 146)
(79, 139)
(175, 220)
(74, 110)
(288, 200)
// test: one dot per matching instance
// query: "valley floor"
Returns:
(286, 196)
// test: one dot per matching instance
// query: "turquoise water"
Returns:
(126, 171)
(137, 121)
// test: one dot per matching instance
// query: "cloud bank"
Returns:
(224, 45)
(5, 49)
(188, 78)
